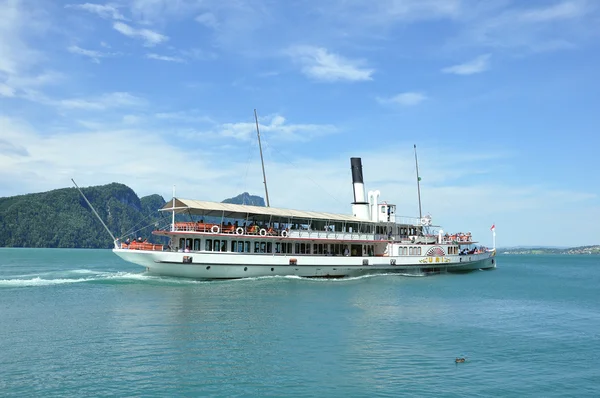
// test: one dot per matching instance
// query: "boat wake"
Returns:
(88, 276)
(108, 277)
(37, 281)
(324, 279)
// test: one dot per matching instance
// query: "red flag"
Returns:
(493, 227)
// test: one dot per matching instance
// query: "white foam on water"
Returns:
(60, 273)
(86, 271)
(148, 277)
(37, 281)
(367, 276)
(255, 278)
(130, 275)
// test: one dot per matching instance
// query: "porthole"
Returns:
(245, 268)
(208, 267)
(272, 269)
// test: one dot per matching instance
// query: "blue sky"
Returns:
(501, 98)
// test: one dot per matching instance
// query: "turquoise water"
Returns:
(83, 322)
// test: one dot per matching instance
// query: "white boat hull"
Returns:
(210, 265)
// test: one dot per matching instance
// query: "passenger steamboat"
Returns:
(227, 241)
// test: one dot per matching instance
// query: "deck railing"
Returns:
(256, 230)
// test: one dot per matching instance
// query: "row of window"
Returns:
(410, 251)
(240, 246)
(332, 249)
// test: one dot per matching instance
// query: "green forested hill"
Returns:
(61, 218)
(246, 199)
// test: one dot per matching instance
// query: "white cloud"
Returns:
(197, 53)
(102, 10)
(164, 58)
(35, 80)
(319, 64)
(150, 37)
(559, 11)
(6, 90)
(92, 54)
(105, 101)
(26, 85)
(16, 22)
(545, 28)
(158, 10)
(275, 125)
(367, 13)
(476, 65)
(499, 24)
(131, 119)
(192, 116)
(208, 19)
(404, 99)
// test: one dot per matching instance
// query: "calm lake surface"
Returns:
(85, 323)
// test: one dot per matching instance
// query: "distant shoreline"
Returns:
(582, 250)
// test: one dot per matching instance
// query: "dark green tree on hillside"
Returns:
(62, 218)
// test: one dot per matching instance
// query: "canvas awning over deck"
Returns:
(229, 210)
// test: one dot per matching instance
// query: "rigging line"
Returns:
(165, 221)
(96, 213)
(133, 231)
(161, 218)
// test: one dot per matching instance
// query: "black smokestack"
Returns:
(356, 166)
(357, 181)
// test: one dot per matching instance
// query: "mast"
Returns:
(261, 159)
(96, 213)
(418, 184)
(173, 215)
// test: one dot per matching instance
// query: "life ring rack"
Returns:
(239, 231)
(263, 232)
(215, 229)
